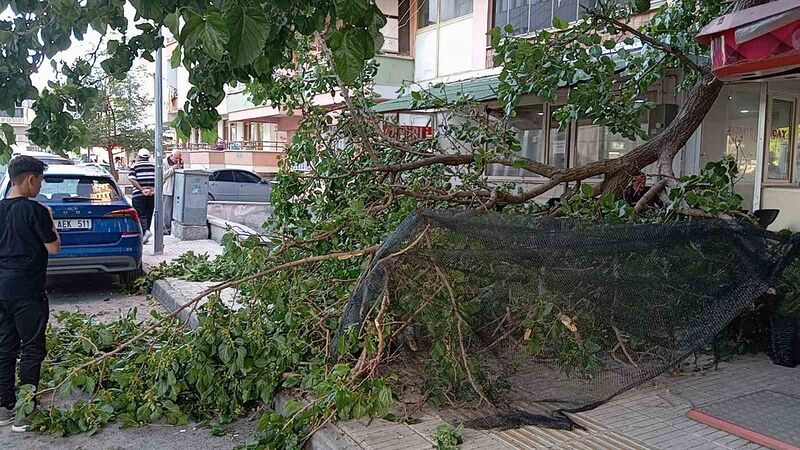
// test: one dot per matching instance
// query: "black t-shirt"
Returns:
(25, 226)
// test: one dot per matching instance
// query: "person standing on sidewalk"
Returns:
(27, 236)
(171, 164)
(143, 178)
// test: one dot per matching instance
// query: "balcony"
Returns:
(232, 146)
(262, 157)
(6, 119)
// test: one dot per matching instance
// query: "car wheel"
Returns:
(126, 278)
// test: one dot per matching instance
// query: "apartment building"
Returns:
(445, 41)
(20, 120)
(756, 118)
(253, 137)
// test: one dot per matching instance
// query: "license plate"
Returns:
(74, 224)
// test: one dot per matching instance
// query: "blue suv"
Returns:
(100, 231)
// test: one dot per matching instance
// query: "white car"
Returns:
(235, 185)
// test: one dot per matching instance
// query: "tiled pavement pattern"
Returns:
(652, 416)
(766, 412)
(174, 248)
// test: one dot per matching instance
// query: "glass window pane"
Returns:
(518, 16)
(558, 151)
(595, 142)
(427, 13)
(224, 175)
(500, 18)
(778, 157)
(740, 136)
(566, 10)
(455, 8)
(529, 124)
(541, 14)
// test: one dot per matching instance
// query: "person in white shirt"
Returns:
(171, 164)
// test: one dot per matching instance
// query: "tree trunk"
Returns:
(664, 147)
(114, 172)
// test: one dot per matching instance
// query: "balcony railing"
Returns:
(251, 146)
(6, 119)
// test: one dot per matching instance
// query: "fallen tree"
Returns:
(365, 176)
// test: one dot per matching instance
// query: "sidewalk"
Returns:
(173, 248)
(652, 416)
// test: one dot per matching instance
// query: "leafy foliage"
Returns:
(448, 438)
(222, 43)
(609, 68)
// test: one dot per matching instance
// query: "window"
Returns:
(66, 189)
(557, 151)
(247, 177)
(224, 175)
(778, 156)
(594, 142)
(529, 125)
(531, 15)
(432, 12)
(17, 113)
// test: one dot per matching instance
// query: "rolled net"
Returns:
(528, 318)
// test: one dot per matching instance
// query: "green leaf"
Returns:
(560, 23)
(249, 28)
(352, 11)
(641, 6)
(172, 23)
(209, 136)
(8, 132)
(209, 31)
(175, 59)
(350, 50)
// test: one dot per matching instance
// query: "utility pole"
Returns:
(158, 219)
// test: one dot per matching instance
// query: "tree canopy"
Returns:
(221, 42)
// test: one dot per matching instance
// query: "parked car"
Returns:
(236, 185)
(105, 167)
(51, 159)
(100, 231)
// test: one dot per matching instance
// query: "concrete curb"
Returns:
(173, 299)
(329, 437)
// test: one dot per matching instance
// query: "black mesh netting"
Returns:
(553, 315)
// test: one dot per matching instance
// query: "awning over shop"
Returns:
(479, 89)
(756, 43)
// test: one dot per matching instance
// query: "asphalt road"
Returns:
(101, 296)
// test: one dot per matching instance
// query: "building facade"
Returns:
(445, 41)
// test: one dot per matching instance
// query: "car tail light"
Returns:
(127, 212)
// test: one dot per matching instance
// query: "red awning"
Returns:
(756, 43)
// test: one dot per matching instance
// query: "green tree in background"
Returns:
(220, 43)
(118, 115)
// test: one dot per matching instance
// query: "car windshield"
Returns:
(77, 188)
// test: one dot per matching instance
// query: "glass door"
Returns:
(779, 140)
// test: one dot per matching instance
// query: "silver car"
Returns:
(234, 185)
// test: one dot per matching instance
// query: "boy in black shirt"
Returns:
(27, 236)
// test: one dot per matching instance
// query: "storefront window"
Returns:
(558, 154)
(595, 142)
(529, 125)
(779, 135)
(731, 129)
